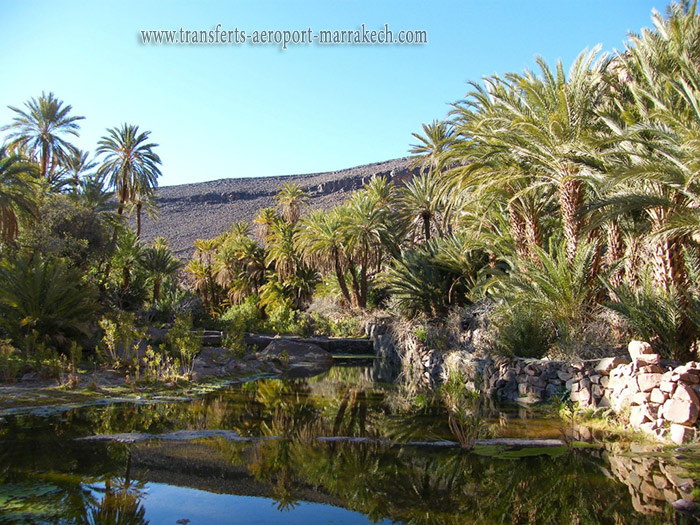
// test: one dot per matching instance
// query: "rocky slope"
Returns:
(194, 211)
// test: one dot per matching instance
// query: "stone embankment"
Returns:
(659, 397)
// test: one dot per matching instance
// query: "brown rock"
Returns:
(647, 359)
(648, 382)
(685, 393)
(681, 434)
(605, 366)
(690, 377)
(658, 396)
(667, 386)
(650, 491)
(638, 415)
(660, 481)
(638, 348)
(651, 369)
(680, 411)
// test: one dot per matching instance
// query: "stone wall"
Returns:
(659, 397)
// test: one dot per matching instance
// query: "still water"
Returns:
(284, 474)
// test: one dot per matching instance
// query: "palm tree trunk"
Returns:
(570, 202)
(533, 234)
(355, 285)
(517, 230)
(340, 275)
(156, 290)
(614, 251)
(426, 226)
(138, 219)
(44, 162)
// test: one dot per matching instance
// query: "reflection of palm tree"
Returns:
(121, 504)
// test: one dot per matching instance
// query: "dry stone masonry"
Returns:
(660, 397)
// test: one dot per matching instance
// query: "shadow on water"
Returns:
(48, 476)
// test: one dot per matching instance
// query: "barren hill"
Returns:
(195, 211)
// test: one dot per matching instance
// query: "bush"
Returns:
(120, 343)
(523, 332)
(10, 361)
(43, 295)
(184, 343)
(659, 317)
(244, 317)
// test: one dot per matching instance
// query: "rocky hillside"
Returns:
(194, 211)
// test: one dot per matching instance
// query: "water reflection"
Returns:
(115, 483)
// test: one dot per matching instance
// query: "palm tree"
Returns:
(264, 221)
(159, 263)
(320, 242)
(434, 146)
(127, 256)
(420, 205)
(291, 198)
(281, 251)
(39, 129)
(544, 124)
(77, 165)
(365, 227)
(17, 194)
(129, 162)
(202, 269)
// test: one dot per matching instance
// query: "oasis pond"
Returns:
(251, 453)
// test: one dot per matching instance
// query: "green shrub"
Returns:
(523, 332)
(659, 317)
(245, 317)
(10, 361)
(120, 343)
(184, 343)
(43, 295)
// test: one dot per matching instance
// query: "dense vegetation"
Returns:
(564, 204)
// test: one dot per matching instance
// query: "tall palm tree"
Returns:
(544, 124)
(264, 221)
(129, 162)
(17, 194)
(78, 165)
(434, 146)
(366, 230)
(291, 199)
(159, 263)
(420, 205)
(40, 130)
(281, 251)
(320, 242)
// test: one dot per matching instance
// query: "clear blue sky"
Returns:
(237, 111)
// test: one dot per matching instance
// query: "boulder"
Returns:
(638, 415)
(639, 348)
(293, 352)
(647, 359)
(681, 434)
(680, 411)
(648, 382)
(606, 365)
(685, 393)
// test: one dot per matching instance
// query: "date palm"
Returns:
(434, 146)
(544, 123)
(129, 162)
(40, 129)
(17, 194)
(421, 205)
(366, 229)
(264, 221)
(291, 199)
(78, 165)
(159, 263)
(320, 242)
